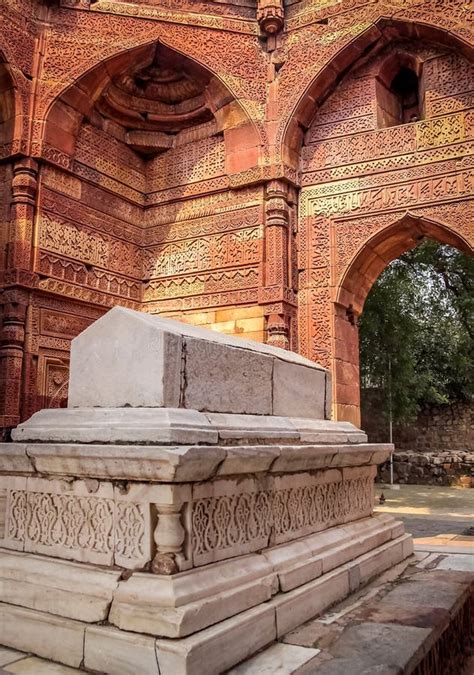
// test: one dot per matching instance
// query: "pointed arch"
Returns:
(367, 44)
(11, 112)
(366, 265)
(387, 245)
(77, 102)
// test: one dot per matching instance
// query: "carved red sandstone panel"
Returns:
(126, 203)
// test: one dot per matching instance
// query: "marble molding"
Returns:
(185, 530)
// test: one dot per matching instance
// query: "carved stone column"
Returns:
(12, 337)
(16, 282)
(277, 294)
(24, 187)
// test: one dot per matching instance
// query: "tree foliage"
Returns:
(417, 331)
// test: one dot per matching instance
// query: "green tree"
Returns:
(417, 330)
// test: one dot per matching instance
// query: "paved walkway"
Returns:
(429, 511)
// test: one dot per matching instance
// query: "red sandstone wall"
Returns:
(268, 215)
(360, 180)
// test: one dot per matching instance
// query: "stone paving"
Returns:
(429, 511)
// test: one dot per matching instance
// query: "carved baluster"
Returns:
(169, 538)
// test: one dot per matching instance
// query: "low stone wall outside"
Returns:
(436, 449)
(430, 468)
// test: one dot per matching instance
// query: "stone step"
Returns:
(181, 604)
(207, 652)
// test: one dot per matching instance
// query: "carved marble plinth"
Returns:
(157, 521)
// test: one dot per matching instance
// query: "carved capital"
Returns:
(277, 188)
(276, 204)
(24, 181)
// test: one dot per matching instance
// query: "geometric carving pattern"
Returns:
(360, 180)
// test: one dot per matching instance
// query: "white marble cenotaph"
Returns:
(191, 505)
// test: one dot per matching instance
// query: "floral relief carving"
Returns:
(79, 527)
(250, 520)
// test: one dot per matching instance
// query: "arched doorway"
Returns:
(416, 346)
(385, 161)
(356, 283)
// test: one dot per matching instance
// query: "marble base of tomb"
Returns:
(226, 551)
(167, 528)
(226, 611)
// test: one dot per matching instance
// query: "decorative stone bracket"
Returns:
(270, 16)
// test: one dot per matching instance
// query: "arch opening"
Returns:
(150, 98)
(398, 92)
(365, 268)
(416, 348)
(386, 246)
(365, 47)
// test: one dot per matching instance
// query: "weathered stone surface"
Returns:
(378, 644)
(35, 666)
(304, 560)
(380, 559)
(109, 650)
(194, 600)
(181, 463)
(323, 431)
(13, 459)
(301, 457)
(298, 391)
(118, 425)
(224, 379)
(299, 605)
(218, 648)
(160, 463)
(43, 634)
(60, 588)
(101, 358)
(243, 460)
(177, 365)
(426, 592)
(9, 656)
(461, 563)
(279, 659)
(269, 427)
